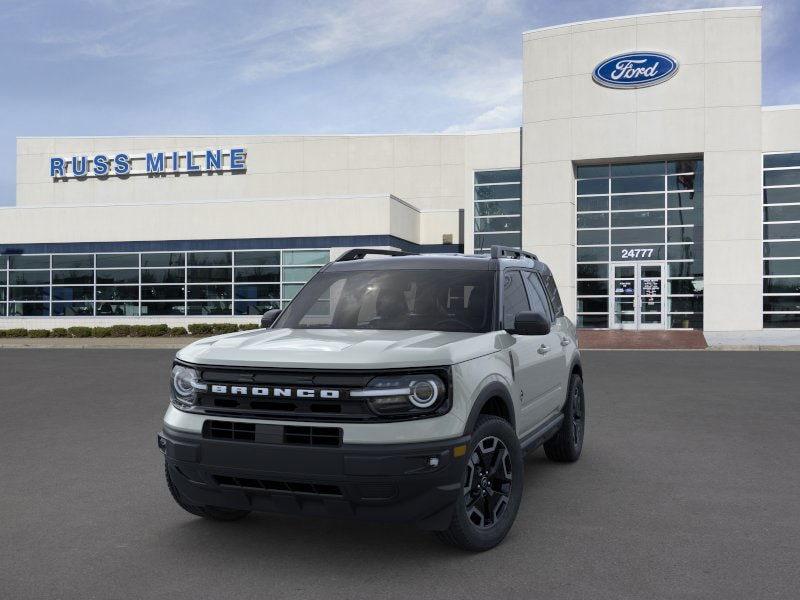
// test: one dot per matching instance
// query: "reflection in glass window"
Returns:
(117, 261)
(209, 259)
(497, 221)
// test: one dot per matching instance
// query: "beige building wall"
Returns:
(711, 107)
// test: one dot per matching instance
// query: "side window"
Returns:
(552, 293)
(537, 294)
(515, 299)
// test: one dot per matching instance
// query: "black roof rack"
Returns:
(359, 253)
(509, 252)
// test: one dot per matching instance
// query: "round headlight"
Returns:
(185, 383)
(423, 393)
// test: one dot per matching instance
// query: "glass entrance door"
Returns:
(637, 295)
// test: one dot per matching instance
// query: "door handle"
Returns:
(543, 349)
(565, 341)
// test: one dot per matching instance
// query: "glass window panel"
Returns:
(254, 307)
(684, 199)
(117, 261)
(498, 176)
(117, 292)
(637, 236)
(592, 236)
(209, 259)
(782, 303)
(209, 275)
(681, 217)
(493, 192)
(298, 274)
(209, 292)
(681, 182)
(593, 305)
(598, 203)
(647, 168)
(26, 261)
(290, 290)
(505, 207)
(782, 267)
(162, 292)
(487, 240)
(684, 286)
(3, 262)
(680, 252)
(118, 276)
(782, 231)
(586, 171)
(776, 321)
(693, 304)
(637, 219)
(593, 288)
(29, 293)
(73, 309)
(681, 269)
(782, 249)
(2, 294)
(592, 271)
(256, 292)
(680, 234)
(788, 177)
(790, 159)
(164, 259)
(3, 308)
(592, 186)
(592, 254)
(2, 277)
(222, 307)
(306, 257)
(73, 277)
(694, 321)
(637, 202)
(84, 292)
(515, 298)
(73, 261)
(684, 166)
(593, 321)
(782, 213)
(28, 309)
(782, 285)
(29, 277)
(117, 309)
(163, 276)
(257, 273)
(782, 195)
(592, 220)
(498, 224)
(258, 258)
(162, 308)
(637, 184)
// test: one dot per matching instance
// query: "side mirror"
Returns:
(531, 323)
(270, 317)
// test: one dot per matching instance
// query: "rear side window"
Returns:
(515, 299)
(536, 294)
(552, 293)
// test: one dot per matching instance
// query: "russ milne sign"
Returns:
(150, 163)
(635, 70)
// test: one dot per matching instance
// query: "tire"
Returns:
(208, 512)
(566, 444)
(497, 495)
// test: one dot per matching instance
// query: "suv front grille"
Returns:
(264, 433)
(265, 485)
(312, 436)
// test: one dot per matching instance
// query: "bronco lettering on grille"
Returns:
(275, 392)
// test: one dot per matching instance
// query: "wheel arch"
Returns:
(494, 399)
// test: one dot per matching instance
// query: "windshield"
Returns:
(438, 300)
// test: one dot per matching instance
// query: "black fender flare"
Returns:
(575, 366)
(494, 389)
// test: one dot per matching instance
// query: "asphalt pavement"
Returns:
(689, 487)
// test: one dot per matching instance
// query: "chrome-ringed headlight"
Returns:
(184, 385)
(405, 395)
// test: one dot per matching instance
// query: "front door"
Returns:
(637, 295)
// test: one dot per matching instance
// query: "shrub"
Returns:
(16, 332)
(177, 331)
(59, 332)
(157, 330)
(120, 330)
(39, 333)
(80, 332)
(220, 328)
(249, 326)
(101, 332)
(201, 329)
(138, 330)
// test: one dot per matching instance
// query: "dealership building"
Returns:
(645, 172)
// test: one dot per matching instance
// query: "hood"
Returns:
(339, 348)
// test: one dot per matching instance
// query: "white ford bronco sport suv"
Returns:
(404, 388)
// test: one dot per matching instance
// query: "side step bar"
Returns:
(542, 433)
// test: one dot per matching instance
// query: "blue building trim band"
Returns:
(337, 241)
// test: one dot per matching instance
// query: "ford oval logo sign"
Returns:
(635, 70)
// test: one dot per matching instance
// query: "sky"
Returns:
(171, 67)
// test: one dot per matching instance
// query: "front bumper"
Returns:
(401, 483)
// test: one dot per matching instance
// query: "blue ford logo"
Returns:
(635, 70)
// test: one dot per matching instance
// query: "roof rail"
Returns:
(359, 253)
(509, 252)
